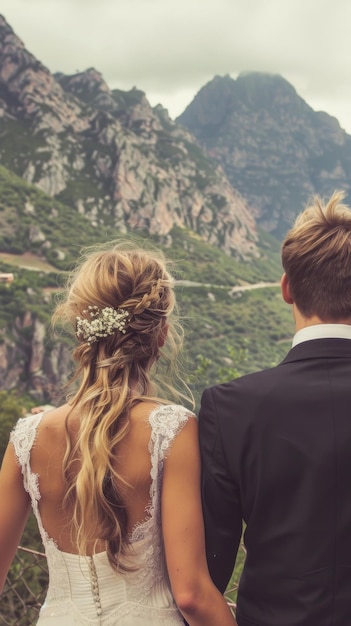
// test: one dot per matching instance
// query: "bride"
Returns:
(113, 475)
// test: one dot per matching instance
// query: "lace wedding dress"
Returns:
(86, 591)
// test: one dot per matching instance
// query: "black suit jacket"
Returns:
(276, 453)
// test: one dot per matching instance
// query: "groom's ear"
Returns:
(285, 289)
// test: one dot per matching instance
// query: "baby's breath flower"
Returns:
(100, 323)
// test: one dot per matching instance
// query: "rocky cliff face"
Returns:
(119, 162)
(273, 147)
(28, 362)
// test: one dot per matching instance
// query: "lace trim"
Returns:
(160, 419)
(166, 422)
(58, 575)
(23, 438)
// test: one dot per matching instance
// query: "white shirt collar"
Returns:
(322, 331)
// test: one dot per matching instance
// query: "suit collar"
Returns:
(319, 349)
(322, 331)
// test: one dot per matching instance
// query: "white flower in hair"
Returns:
(101, 323)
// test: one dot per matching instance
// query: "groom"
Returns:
(276, 446)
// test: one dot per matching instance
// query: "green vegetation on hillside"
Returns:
(200, 262)
(248, 330)
(25, 294)
(31, 221)
(254, 323)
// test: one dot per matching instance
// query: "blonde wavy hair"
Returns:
(113, 374)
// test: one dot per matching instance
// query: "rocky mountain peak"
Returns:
(111, 156)
(91, 79)
(272, 146)
(264, 87)
(13, 46)
(251, 92)
(30, 91)
(211, 104)
(89, 87)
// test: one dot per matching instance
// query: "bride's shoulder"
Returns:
(46, 429)
(25, 433)
(168, 419)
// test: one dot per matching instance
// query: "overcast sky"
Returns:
(171, 48)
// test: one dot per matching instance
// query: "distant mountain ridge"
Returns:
(273, 147)
(108, 154)
(244, 152)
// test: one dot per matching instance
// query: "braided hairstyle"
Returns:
(114, 372)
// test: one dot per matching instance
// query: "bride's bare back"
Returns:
(132, 464)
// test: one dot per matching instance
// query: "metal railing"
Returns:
(24, 589)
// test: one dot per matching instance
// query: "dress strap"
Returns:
(166, 422)
(22, 438)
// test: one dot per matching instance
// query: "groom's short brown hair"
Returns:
(316, 257)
